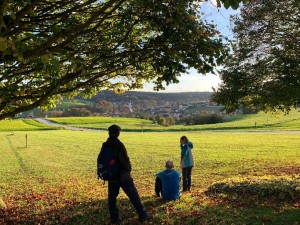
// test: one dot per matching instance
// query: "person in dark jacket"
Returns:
(167, 183)
(124, 180)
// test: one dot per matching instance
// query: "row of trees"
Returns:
(202, 118)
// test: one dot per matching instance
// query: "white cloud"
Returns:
(192, 82)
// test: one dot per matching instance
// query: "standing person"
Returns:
(124, 180)
(187, 162)
(167, 183)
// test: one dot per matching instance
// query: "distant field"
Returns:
(53, 180)
(65, 104)
(127, 124)
(260, 121)
(255, 122)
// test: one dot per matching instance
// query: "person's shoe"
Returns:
(145, 218)
(114, 222)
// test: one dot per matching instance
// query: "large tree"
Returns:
(263, 70)
(50, 49)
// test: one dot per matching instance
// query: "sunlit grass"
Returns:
(53, 180)
(23, 125)
(260, 121)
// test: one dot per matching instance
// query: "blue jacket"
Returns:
(170, 184)
(186, 157)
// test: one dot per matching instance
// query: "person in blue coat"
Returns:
(167, 183)
(187, 162)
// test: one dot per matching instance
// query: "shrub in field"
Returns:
(283, 190)
(203, 119)
(77, 111)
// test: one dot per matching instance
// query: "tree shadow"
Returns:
(256, 202)
(77, 212)
(241, 202)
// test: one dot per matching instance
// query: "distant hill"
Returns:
(109, 103)
(182, 97)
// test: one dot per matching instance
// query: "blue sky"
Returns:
(193, 81)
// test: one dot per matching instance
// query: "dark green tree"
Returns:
(50, 49)
(263, 70)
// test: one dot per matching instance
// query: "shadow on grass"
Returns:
(257, 202)
(75, 212)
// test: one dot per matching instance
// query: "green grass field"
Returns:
(255, 122)
(23, 125)
(258, 122)
(239, 178)
(127, 124)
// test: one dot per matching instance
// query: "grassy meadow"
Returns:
(255, 122)
(238, 178)
(23, 125)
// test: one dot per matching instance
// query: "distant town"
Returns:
(162, 108)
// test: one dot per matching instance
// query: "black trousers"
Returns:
(158, 187)
(187, 178)
(130, 190)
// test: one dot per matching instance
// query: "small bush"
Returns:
(279, 189)
(203, 119)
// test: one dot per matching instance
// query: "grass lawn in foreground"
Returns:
(238, 178)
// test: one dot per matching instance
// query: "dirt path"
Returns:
(50, 123)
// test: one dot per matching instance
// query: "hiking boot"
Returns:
(145, 218)
(114, 222)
